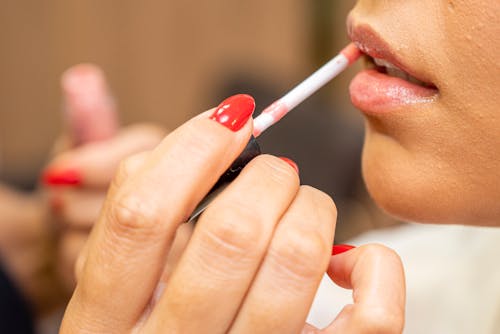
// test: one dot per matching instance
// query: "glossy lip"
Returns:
(370, 43)
(377, 93)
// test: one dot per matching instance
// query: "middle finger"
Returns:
(284, 288)
(226, 250)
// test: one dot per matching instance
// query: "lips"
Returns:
(387, 84)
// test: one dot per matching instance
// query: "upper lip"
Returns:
(370, 43)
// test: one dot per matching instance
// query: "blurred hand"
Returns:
(252, 264)
(27, 249)
(86, 158)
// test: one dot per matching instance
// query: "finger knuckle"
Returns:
(301, 253)
(129, 216)
(234, 232)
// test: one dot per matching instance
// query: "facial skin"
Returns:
(436, 161)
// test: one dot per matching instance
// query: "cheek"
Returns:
(471, 40)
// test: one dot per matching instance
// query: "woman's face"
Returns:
(432, 148)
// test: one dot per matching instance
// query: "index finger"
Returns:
(376, 276)
(128, 249)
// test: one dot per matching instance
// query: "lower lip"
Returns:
(376, 93)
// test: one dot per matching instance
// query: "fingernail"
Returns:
(291, 163)
(234, 112)
(339, 249)
(67, 177)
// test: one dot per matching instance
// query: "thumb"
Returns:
(376, 276)
(89, 109)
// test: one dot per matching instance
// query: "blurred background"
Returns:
(169, 60)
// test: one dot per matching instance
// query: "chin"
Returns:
(415, 188)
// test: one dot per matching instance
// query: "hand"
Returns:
(252, 264)
(86, 158)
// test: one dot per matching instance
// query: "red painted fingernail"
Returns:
(234, 112)
(67, 177)
(291, 163)
(339, 249)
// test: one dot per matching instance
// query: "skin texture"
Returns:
(438, 162)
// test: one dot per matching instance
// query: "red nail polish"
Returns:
(234, 112)
(291, 163)
(339, 249)
(68, 177)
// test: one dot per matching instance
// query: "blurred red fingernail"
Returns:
(291, 163)
(67, 177)
(234, 112)
(339, 249)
